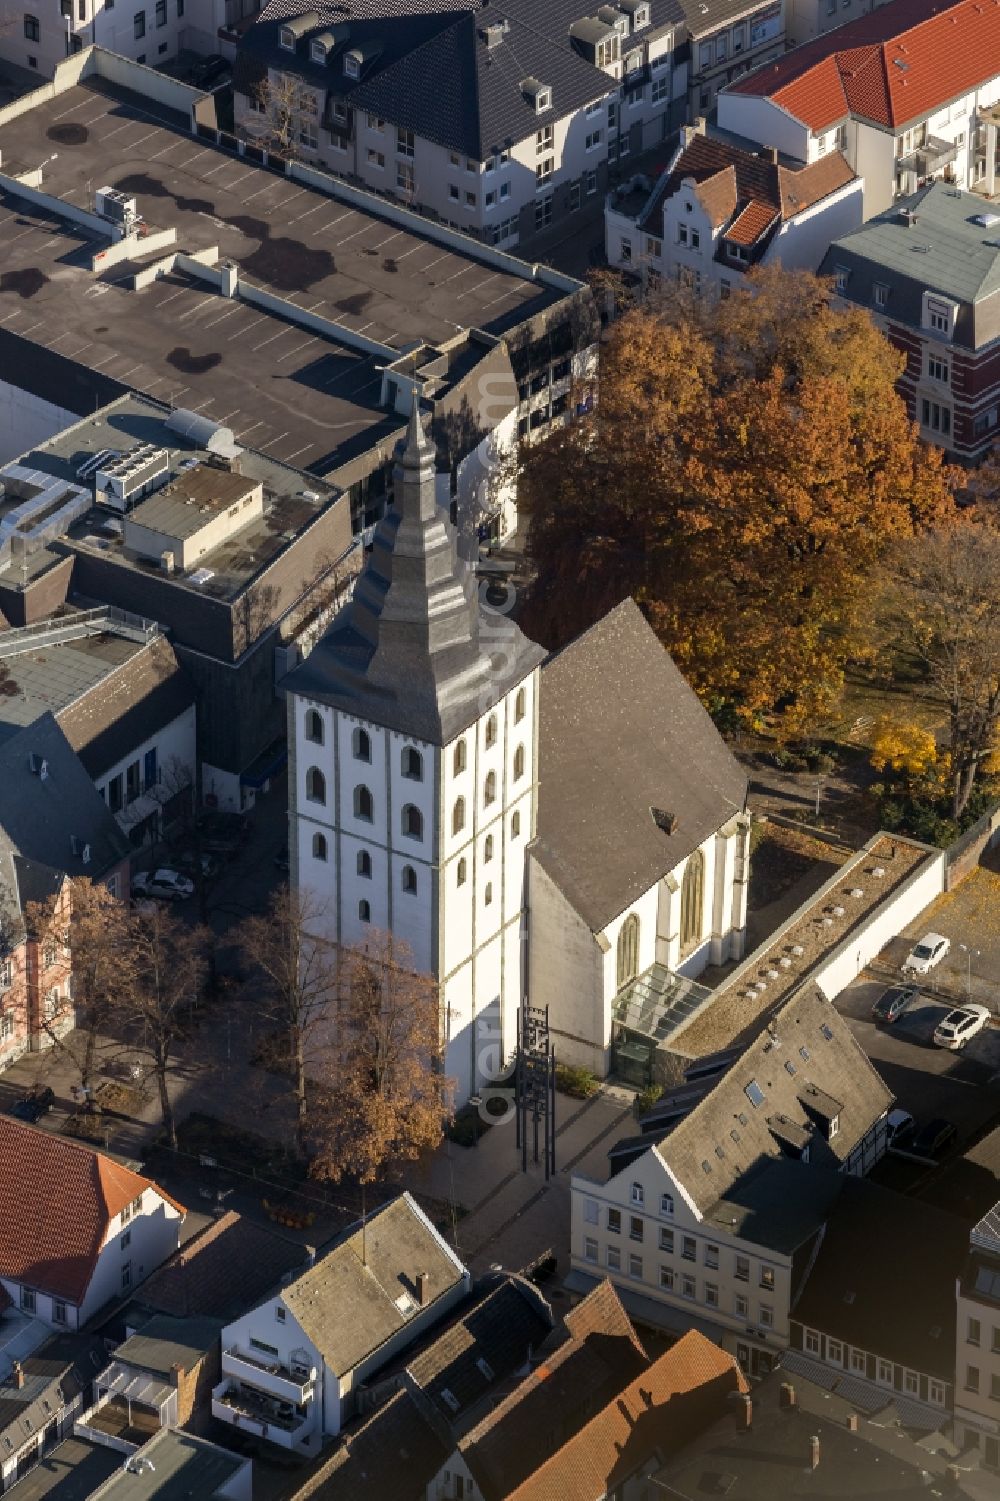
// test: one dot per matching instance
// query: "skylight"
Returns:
(754, 1093)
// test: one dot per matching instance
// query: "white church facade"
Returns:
(491, 812)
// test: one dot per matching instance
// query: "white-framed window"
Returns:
(938, 369)
(376, 122)
(593, 140)
(705, 55)
(667, 1279)
(504, 191)
(614, 1258)
(591, 184)
(880, 295)
(835, 1352)
(614, 1221)
(739, 253)
(689, 1248)
(591, 1211)
(712, 1257)
(660, 89)
(812, 1342)
(544, 171)
(590, 1249)
(712, 1294)
(885, 1372)
(766, 1316)
(404, 142)
(935, 1391)
(667, 1205)
(767, 1277)
(688, 1288)
(405, 180)
(911, 1383)
(939, 317)
(635, 1266)
(935, 417)
(740, 1306)
(638, 1194)
(682, 234)
(376, 159)
(59, 1313)
(859, 1361)
(544, 139)
(666, 1240)
(742, 1272)
(840, 276)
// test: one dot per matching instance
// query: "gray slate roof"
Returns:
(944, 251)
(906, 1315)
(434, 73)
(733, 1137)
(53, 1376)
(406, 651)
(41, 816)
(346, 1305)
(621, 733)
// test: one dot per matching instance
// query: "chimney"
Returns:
(17, 1374)
(772, 152)
(744, 1412)
(814, 1452)
(691, 133)
(176, 1372)
(852, 1422)
(423, 1288)
(786, 1395)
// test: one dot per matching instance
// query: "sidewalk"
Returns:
(508, 1217)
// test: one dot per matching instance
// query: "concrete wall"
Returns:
(27, 420)
(802, 242)
(965, 854)
(860, 947)
(759, 120)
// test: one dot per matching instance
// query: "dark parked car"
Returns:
(32, 1106)
(893, 1002)
(934, 1137)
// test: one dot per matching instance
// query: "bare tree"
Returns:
(85, 949)
(283, 110)
(385, 1099)
(944, 607)
(298, 999)
(170, 973)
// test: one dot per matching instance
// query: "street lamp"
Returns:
(969, 952)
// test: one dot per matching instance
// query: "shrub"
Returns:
(646, 1099)
(580, 1083)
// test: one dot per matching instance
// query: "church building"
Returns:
(532, 829)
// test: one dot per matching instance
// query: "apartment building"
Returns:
(893, 1335)
(907, 92)
(928, 273)
(805, 19)
(718, 211)
(497, 120)
(709, 1220)
(725, 39)
(34, 964)
(148, 32)
(977, 1360)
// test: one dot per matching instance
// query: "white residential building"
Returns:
(718, 211)
(292, 1365)
(104, 1229)
(710, 1218)
(908, 93)
(977, 1333)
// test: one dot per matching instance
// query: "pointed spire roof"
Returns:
(415, 650)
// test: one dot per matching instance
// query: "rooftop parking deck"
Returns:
(296, 393)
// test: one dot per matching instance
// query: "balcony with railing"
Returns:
(290, 1384)
(266, 1417)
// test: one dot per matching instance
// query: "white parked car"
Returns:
(167, 885)
(929, 951)
(961, 1024)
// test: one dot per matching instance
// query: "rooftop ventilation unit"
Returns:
(90, 466)
(122, 481)
(202, 432)
(986, 221)
(117, 208)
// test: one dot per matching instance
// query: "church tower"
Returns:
(413, 732)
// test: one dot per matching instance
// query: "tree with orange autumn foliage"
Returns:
(743, 472)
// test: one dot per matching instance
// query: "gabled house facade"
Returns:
(907, 93)
(292, 1365)
(77, 1230)
(718, 211)
(40, 1399)
(713, 1223)
(499, 120)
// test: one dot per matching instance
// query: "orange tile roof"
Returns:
(678, 1395)
(749, 225)
(897, 64)
(57, 1200)
(718, 196)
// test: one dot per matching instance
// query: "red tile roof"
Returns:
(57, 1200)
(749, 225)
(674, 1399)
(897, 64)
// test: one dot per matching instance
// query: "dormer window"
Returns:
(352, 65)
(287, 38)
(539, 95)
(317, 52)
(640, 17)
(543, 100)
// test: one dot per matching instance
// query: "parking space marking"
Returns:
(280, 334)
(297, 350)
(249, 326)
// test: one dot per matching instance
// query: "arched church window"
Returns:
(519, 762)
(628, 950)
(412, 821)
(315, 785)
(462, 868)
(459, 759)
(515, 825)
(458, 816)
(488, 848)
(364, 803)
(491, 731)
(490, 791)
(519, 706)
(692, 901)
(409, 880)
(362, 742)
(364, 864)
(314, 727)
(413, 764)
(365, 911)
(319, 846)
